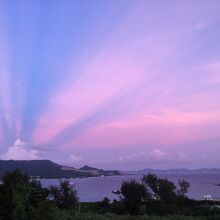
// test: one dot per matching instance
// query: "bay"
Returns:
(94, 189)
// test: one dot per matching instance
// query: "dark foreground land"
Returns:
(64, 216)
(153, 198)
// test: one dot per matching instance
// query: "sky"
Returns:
(116, 84)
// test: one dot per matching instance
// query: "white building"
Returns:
(207, 197)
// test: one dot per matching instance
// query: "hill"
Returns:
(100, 171)
(49, 169)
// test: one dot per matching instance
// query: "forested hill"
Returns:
(49, 169)
(99, 171)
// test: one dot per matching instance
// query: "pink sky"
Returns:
(135, 84)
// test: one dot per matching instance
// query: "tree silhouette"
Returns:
(20, 196)
(161, 189)
(64, 195)
(183, 187)
(133, 194)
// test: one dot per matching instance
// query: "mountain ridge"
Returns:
(175, 171)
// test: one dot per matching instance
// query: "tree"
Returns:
(64, 195)
(20, 196)
(161, 189)
(152, 184)
(104, 205)
(183, 187)
(133, 194)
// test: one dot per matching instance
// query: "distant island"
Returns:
(49, 169)
(173, 171)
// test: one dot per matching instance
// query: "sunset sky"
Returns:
(125, 84)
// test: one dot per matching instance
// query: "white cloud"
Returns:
(130, 157)
(20, 151)
(158, 155)
(155, 155)
(75, 158)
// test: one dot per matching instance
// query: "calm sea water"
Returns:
(96, 188)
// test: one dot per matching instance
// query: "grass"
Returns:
(129, 217)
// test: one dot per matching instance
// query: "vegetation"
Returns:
(64, 195)
(133, 196)
(20, 197)
(153, 198)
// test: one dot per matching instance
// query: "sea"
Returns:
(94, 189)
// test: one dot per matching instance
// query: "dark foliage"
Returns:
(133, 194)
(118, 207)
(64, 195)
(159, 188)
(20, 196)
(183, 187)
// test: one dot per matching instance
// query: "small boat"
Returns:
(217, 184)
(116, 191)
